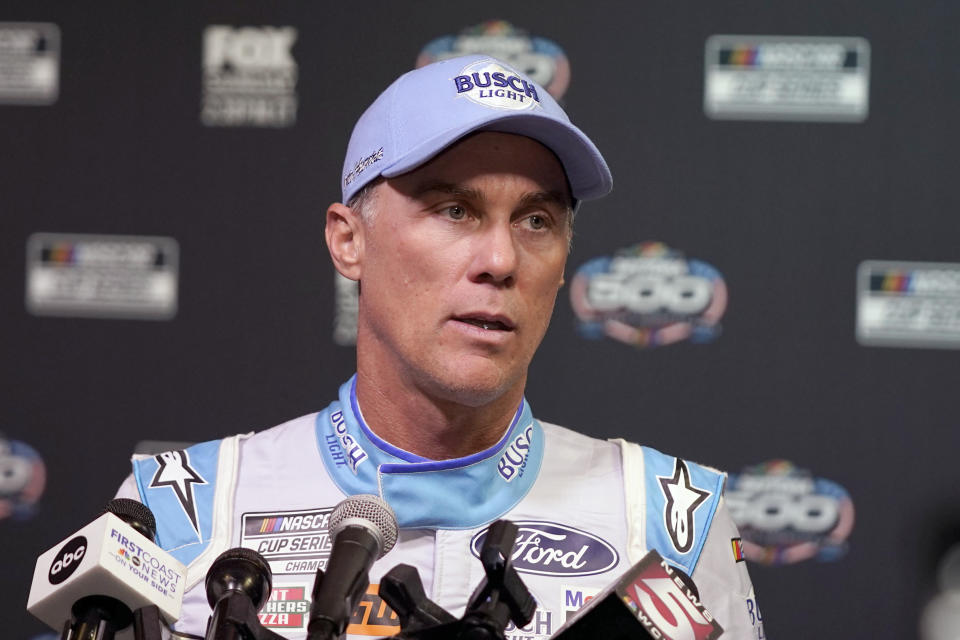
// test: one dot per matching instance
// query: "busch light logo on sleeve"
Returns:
(648, 295)
(552, 549)
(493, 85)
(785, 515)
(539, 59)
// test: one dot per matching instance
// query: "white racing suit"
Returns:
(587, 510)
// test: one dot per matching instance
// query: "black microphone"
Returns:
(651, 600)
(134, 513)
(238, 584)
(364, 529)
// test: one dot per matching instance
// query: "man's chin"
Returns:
(478, 390)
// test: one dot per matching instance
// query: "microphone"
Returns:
(363, 528)
(651, 600)
(238, 585)
(97, 577)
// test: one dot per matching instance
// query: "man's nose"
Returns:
(495, 255)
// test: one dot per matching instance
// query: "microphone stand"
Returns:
(96, 618)
(501, 597)
(236, 619)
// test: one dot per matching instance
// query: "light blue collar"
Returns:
(461, 493)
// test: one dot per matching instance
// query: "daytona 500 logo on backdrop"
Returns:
(542, 60)
(648, 295)
(786, 515)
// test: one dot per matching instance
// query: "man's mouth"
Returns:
(489, 324)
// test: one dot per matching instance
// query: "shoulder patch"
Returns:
(179, 487)
(174, 471)
(682, 498)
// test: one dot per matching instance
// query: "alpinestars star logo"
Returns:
(682, 501)
(174, 471)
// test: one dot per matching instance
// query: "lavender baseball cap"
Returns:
(428, 109)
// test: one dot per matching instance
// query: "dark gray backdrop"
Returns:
(785, 210)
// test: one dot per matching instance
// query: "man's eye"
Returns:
(537, 222)
(456, 212)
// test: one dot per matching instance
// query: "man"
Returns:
(460, 184)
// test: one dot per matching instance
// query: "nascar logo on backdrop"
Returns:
(102, 276)
(648, 295)
(249, 77)
(541, 60)
(908, 304)
(785, 515)
(30, 68)
(786, 78)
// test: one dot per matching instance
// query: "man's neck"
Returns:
(431, 427)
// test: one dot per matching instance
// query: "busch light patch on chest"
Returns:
(552, 549)
(493, 85)
(648, 295)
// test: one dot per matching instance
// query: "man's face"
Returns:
(460, 266)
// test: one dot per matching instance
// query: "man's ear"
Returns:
(344, 233)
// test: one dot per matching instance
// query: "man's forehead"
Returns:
(506, 156)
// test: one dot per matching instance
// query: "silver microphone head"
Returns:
(370, 512)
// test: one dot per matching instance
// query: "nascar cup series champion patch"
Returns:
(648, 295)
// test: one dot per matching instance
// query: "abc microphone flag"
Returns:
(108, 557)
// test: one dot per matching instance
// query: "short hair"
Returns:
(364, 200)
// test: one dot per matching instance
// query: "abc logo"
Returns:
(67, 560)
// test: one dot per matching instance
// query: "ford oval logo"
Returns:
(551, 549)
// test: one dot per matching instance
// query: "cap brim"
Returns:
(586, 169)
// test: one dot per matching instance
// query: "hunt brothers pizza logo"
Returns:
(287, 608)
(551, 549)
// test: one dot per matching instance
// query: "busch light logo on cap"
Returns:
(648, 295)
(493, 85)
(551, 549)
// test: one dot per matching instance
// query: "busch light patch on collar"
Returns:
(539, 59)
(352, 454)
(513, 462)
(551, 549)
(490, 84)
(785, 515)
(648, 295)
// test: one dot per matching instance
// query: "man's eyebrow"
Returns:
(457, 190)
(548, 197)
(447, 188)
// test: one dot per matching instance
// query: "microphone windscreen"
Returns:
(239, 569)
(134, 513)
(370, 512)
